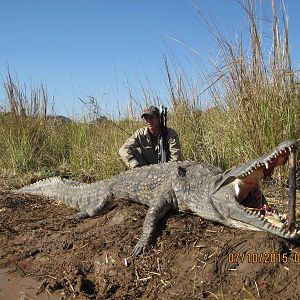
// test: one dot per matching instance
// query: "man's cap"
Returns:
(150, 111)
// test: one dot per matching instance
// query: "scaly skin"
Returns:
(186, 186)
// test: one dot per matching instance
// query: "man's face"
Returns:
(152, 122)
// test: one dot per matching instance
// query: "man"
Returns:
(142, 147)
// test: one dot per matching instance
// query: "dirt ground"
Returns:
(190, 258)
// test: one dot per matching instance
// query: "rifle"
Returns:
(162, 143)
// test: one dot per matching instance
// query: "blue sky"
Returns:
(103, 48)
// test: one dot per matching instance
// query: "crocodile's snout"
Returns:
(249, 196)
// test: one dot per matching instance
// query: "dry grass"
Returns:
(254, 97)
(254, 92)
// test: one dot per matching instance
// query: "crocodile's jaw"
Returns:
(239, 198)
(239, 216)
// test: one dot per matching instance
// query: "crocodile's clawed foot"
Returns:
(139, 248)
(78, 216)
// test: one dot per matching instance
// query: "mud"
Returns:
(189, 258)
(13, 286)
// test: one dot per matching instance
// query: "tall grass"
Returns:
(255, 96)
(254, 105)
(30, 142)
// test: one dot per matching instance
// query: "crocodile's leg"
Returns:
(104, 200)
(91, 211)
(78, 216)
(155, 212)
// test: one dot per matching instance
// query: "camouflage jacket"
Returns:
(141, 148)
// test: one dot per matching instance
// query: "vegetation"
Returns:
(255, 104)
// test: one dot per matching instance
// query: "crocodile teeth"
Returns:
(284, 231)
(294, 234)
(267, 165)
(290, 148)
(237, 189)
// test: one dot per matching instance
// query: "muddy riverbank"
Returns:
(189, 259)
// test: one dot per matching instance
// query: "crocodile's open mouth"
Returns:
(249, 195)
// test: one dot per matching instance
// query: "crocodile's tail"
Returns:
(66, 191)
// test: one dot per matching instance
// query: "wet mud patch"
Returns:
(189, 259)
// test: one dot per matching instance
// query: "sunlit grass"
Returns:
(254, 105)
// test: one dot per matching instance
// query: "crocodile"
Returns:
(233, 198)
